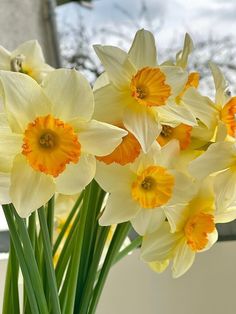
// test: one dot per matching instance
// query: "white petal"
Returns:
(183, 259)
(29, 189)
(148, 221)
(4, 188)
(225, 190)
(99, 138)
(116, 64)
(175, 77)
(24, 100)
(143, 50)
(219, 156)
(220, 84)
(101, 81)
(113, 178)
(201, 107)
(5, 59)
(10, 146)
(168, 153)
(70, 94)
(32, 52)
(159, 245)
(226, 216)
(172, 113)
(182, 56)
(120, 208)
(142, 122)
(176, 216)
(212, 238)
(76, 176)
(110, 104)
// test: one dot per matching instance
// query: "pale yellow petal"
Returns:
(120, 207)
(220, 85)
(160, 245)
(201, 107)
(24, 100)
(176, 78)
(183, 259)
(159, 267)
(4, 188)
(182, 56)
(70, 94)
(148, 221)
(116, 64)
(143, 50)
(219, 156)
(99, 138)
(110, 104)
(114, 177)
(76, 176)
(143, 123)
(29, 189)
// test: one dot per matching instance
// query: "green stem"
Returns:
(90, 281)
(90, 229)
(67, 223)
(31, 262)
(129, 248)
(48, 260)
(66, 251)
(11, 295)
(50, 218)
(74, 265)
(116, 243)
(21, 257)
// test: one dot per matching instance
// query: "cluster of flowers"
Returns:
(165, 153)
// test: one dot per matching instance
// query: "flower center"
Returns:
(48, 140)
(49, 144)
(126, 152)
(148, 87)
(166, 130)
(153, 187)
(182, 133)
(196, 230)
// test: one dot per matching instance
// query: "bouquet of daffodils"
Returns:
(80, 167)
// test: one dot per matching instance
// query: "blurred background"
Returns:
(66, 31)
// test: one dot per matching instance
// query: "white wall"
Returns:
(24, 20)
(208, 288)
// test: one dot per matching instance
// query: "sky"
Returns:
(201, 18)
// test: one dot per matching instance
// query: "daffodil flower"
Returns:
(50, 143)
(27, 58)
(189, 106)
(191, 230)
(134, 86)
(145, 191)
(219, 160)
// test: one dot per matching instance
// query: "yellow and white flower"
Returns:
(191, 230)
(134, 87)
(50, 143)
(27, 58)
(145, 191)
(219, 160)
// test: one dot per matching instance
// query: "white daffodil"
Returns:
(189, 104)
(192, 230)
(51, 140)
(224, 103)
(220, 160)
(144, 192)
(27, 58)
(134, 87)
